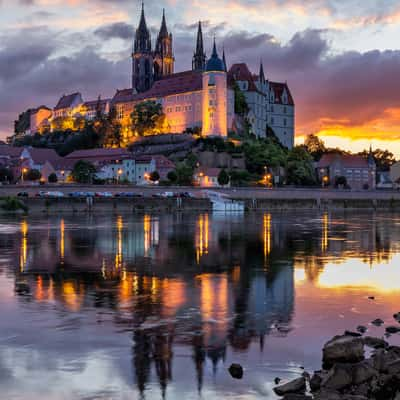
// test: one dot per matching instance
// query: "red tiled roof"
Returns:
(241, 72)
(10, 151)
(347, 161)
(213, 172)
(182, 82)
(278, 89)
(66, 101)
(93, 103)
(98, 154)
(40, 156)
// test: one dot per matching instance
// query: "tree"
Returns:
(6, 174)
(52, 178)
(223, 178)
(146, 117)
(172, 176)
(154, 176)
(300, 170)
(32, 175)
(184, 174)
(384, 159)
(83, 172)
(340, 181)
(315, 146)
(241, 106)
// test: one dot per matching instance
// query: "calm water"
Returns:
(130, 307)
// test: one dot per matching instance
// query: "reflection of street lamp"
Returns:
(63, 176)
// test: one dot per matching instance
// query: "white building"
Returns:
(271, 104)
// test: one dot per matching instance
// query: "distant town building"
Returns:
(207, 177)
(360, 173)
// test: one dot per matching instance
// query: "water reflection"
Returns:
(194, 291)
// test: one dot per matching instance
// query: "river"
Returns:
(158, 306)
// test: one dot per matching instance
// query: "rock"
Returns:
(397, 317)
(388, 390)
(236, 371)
(353, 334)
(393, 368)
(393, 329)
(316, 380)
(344, 349)
(277, 381)
(338, 378)
(363, 372)
(371, 298)
(377, 322)
(294, 396)
(296, 386)
(328, 395)
(362, 329)
(375, 343)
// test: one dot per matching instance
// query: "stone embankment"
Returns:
(347, 374)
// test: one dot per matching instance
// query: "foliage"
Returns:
(32, 175)
(340, 181)
(172, 176)
(241, 106)
(240, 177)
(315, 146)
(6, 174)
(263, 153)
(300, 169)
(223, 178)
(83, 172)
(23, 122)
(147, 118)
(384, 159)
(13, 204)
(52, 178)
(184, 174)
(154, 176)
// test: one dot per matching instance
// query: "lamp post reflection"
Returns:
(267, 236)
(202, 236)
(24, 245)
(325, 232)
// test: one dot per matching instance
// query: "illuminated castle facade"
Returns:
(198, 100)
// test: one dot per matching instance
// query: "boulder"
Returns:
(236, 371)
(363, 372)
(362, 329)
(351, 333)
(295, 396)
(375, 343)
(339, 377)
(316, 380)
(392, 329)
(296, 386)
(343, 349)
(393, 367)
(397, 317)
(325, 394)
(377, 322)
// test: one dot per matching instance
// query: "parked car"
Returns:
(23, 194)
(76, 194)
(128, 195)
(168, 194)
(54, 194)
(104, 194)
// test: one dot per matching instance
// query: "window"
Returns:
(177, 109)
(284, 110)
(284, 122)
(272, 121)
(272, 108)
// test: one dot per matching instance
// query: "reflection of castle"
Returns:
(187, 280)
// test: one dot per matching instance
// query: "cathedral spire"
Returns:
(163, 31)
(224, 59)
(261, 74)
(199, 58)
(142, 38)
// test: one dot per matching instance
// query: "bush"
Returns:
(172, 176)
(154, 176)
(13, 204)
(340, 181)
(32, 175)
(53, 178)
(223, 178)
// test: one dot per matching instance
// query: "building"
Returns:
(271, 105)
(207, 177)
(360, 173)
(68, 105)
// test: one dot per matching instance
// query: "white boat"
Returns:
(222, 202)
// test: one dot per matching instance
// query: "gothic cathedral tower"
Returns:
(142, 58)
(163, 54)
(199, 57)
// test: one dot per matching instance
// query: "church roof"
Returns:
(278, 89)
(241, 72)
(182, 82)
(66, 101)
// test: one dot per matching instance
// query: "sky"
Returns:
(341, 58)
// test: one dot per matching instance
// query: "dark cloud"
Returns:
(119, 30)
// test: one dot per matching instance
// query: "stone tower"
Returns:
(215, 94)
(163, 54)
(142, 58)
(199, 57)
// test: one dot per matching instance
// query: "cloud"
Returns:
(118, 30)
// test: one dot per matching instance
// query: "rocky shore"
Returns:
(347, 373)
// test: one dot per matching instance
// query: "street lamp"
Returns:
(24, 171)
(120, 172)
(325, 180)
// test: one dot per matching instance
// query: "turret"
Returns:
(199, 57)
(215, 91)
(142, 57)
